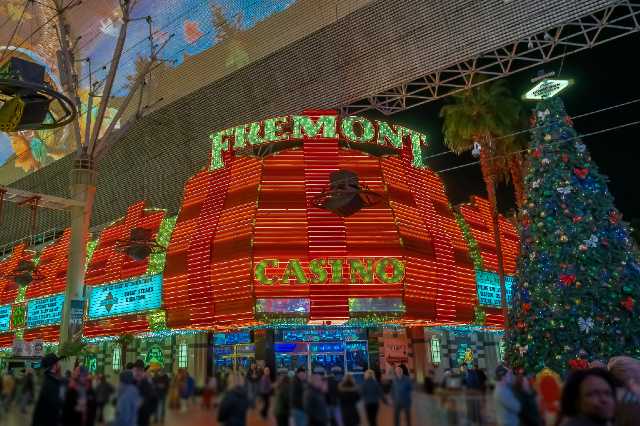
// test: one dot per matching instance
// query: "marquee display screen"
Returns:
(5, 317)
(45, 311)
(488, 286)
(125, 297)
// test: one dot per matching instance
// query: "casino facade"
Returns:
(311, 239)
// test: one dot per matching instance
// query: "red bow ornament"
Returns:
(628, 303)
(581, 173)
(567, 279)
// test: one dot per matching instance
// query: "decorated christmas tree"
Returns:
(578, 288)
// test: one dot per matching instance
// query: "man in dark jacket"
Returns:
(235, 404)
(315, 403)
(49, 406)
(147, 392)
(297, 397)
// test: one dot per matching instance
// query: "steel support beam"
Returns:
(620, 19)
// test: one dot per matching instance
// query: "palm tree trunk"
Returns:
(515, 169)
(488, 174)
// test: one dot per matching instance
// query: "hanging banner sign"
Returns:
(45, 311)
(488, 287)
(125, 297)
(5, 317)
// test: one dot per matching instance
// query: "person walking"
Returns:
(75, 411)
(529, 413)
(471, 384)
(235, 403)
(507, 405)
(333, 402)
(349, 396)
(129, 401)
(372, 394)
(8, 390)
(297, 397)
(147, 393)
(626, 371)
(252, 378)
(208, 393)
(28, 391)
(175, 388)
(161, 384)
(282, 406)
(103, 390)
(315, 403)
(401, 393)
(588, 398)
(265, 388)
(49, 405)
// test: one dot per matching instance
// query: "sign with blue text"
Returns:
(125, 297)
(5, 317)
(45, 311)
(488, 287)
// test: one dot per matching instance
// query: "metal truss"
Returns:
(620, 19)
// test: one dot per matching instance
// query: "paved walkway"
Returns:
(427, 411)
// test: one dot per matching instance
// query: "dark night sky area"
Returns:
(603, 76)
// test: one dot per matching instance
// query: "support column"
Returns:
(83, 188)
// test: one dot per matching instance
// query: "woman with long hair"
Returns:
(349, 396)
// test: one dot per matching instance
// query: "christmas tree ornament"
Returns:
(547, 137)
(568, 121)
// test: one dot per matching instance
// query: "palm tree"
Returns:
(475, 118)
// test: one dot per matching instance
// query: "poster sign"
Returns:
(488, 287)
(125, 297)
(45, 311)
(5, 317)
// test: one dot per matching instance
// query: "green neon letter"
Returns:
(303, 125)
(316, 267)
(254, 134)
(417, 139)
(357, 268)
(294, 268)
(336, 270)
(240, 135)
(218, 144)
(398, 270)
(368, 132)
(260, 273)
(273, 129)
(393, 134)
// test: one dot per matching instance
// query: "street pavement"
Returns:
(426, 411)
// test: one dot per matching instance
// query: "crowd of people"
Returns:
(316, 399)
(593, 395)
(80, 399)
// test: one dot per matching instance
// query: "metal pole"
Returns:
(82, 189)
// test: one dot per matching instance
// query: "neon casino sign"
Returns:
(387, 270)
(289, 128)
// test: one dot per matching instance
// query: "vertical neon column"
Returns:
(326, 231)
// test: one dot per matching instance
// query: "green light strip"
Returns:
(474, 251)
(157, 260)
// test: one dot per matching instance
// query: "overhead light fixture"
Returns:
(530, 43)
(546, 88)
